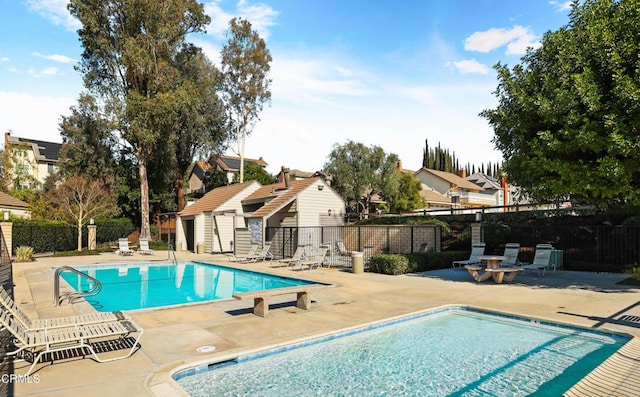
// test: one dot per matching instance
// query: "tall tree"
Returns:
(361, 172)
(200, 126)
(129, 60)
(568, 117)
(245, 88)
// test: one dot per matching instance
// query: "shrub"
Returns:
(24, 254)
(393, 264)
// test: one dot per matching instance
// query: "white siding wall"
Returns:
(434, 182)
(225, 230)
(181, 238)
(313, 202)
(198, 232)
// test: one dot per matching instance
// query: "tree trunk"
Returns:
(242, 143)
(79, 234)
(145, 231)
(179, 185)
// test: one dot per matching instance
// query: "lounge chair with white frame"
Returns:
(511, 251)
(315, 260)
(9, 305)
(253, 250)
(477, 250)
(123, 247)
(144, 249)
(38, 344)
(263, 255)
(297, 256)
(541, 259)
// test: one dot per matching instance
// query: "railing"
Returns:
(72, 296)
(170, 252)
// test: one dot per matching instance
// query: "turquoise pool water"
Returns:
(147, 285)
(451, 352)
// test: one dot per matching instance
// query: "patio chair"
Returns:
(511, 251)
(253, 250)
(477, 250)
(70, 341)
(316, 259)
(9, 305)
(297, 256)
(123, 247)
(260, 256)
(144, 249)
(342, 250)
(541, 259)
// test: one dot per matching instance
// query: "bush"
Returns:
(393, 264)
(24, 254)
(421, 262)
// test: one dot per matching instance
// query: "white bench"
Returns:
(261, 298)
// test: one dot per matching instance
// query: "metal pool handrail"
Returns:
(171, 251)
(71, 296)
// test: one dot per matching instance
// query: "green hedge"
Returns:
(410, 263)
(55, 236)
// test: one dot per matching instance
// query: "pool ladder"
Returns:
(72, 297)
(170, 252)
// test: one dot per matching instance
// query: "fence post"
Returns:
(7, 232)
(476, 233)
(91, 239)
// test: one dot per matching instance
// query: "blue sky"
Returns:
(386, 73)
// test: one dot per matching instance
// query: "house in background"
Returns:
(490, 187)
(241, 213)
(11, 205)
(459, 190)
(30, 161)
(230, 165)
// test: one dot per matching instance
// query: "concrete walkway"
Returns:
(173, 335)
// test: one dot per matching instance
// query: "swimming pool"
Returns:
(148, 285)
(451, 351)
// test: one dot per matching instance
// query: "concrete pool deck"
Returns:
(173, 335)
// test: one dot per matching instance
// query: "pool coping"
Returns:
(580, 299)
(164, 380)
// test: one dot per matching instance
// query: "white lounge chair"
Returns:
(81, 338)
(253, 250)
(297, 256)
(511, 251)
(260, 256)
(9, 305)
(477, 250)
(144, 247)
(315, 260)
(541, 259)
(123, 247)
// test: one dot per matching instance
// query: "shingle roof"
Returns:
(10, 201)
(231, 163)
(452, 179)
(215, 198)
(278, 194)
(49, 151)
(431, 196)
(484, 181)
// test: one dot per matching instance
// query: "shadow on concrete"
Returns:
(561, 279)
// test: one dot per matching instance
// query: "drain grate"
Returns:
(631, 319)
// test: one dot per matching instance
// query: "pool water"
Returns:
(452, 353)
(139, 286)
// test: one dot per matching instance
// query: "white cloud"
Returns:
(517, 40)
(55, 11)
(55, 57)
(561, 6)
(261, 16)
(4, 59)
(50, 71)
(31, 116)
(471, 66)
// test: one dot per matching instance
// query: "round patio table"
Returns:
(493, 261)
